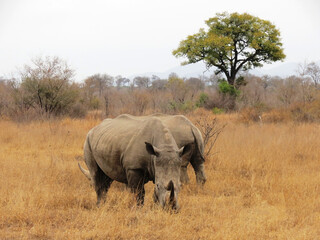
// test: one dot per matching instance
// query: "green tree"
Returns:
(233, 42)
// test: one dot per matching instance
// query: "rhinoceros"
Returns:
(135, 151)
(184, 132)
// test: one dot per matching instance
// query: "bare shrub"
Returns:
(310, 70)
(141, 100)
(142, 82)
(78, 110)
(159, 101)
(5, 98)
(276, 116)
(306, 112)
(248, 115)
(47, 85)
(94, 115)
(219, 100)
(253, 93)
(210, 129)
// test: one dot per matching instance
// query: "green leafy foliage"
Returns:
(228, 89)
(94, 103)
(233, 42)
(181, 107)
(240, 81)
(203, 98)
(217, 110)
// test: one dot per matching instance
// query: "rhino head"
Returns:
(167, 165)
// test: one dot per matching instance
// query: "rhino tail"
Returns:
(85, 172)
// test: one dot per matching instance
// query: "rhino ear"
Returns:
(185, 150)
(151, 149)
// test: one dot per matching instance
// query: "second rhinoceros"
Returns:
(184, 132)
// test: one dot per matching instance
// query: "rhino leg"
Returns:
(102, 184)
(136, 183)
(184, 178)
(199, 171)
(155, 197)
(99, 179)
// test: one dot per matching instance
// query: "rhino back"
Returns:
(180, 127)
(109, 141)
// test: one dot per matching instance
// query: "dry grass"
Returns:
(263, 183)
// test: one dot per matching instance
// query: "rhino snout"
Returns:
(167, 195)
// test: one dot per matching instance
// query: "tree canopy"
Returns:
(233, 42)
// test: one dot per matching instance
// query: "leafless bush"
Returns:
(219, 100)
(306, 112)
(210, 129)
(276, 116)
(250, 114)
(94, 115)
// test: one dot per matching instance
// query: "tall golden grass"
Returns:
(263, 183)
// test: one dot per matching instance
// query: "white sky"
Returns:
(130, 37)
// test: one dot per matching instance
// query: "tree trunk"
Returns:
(232, 77)
(231, 80)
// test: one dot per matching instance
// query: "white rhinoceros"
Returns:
(135, 151)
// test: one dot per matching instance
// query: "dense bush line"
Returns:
(47, 89)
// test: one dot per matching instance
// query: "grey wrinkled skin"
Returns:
(134, 152)
(184, 132)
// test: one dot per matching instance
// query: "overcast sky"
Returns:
(127, 37)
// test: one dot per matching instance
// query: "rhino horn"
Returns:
(170, 188)
(85, 172)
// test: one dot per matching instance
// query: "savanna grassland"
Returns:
(263, 183)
